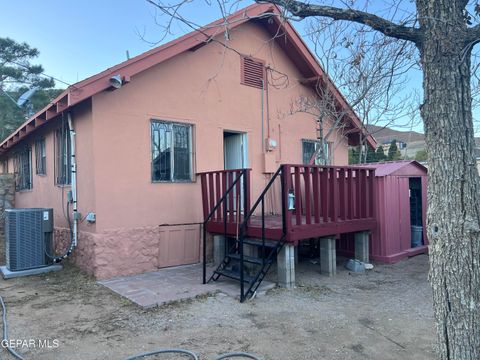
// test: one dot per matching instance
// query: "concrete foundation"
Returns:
(328, 256)
(7, 274)
(218, 249)
(362, 246)
(286, 266)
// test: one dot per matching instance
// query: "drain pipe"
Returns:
(263, 120)
(73, 178)
(73, 172)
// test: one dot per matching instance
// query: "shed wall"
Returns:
(391, 240)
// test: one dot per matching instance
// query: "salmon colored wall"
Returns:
(201, 88)
(44, 192)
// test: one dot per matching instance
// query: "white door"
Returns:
(235, 150)
(235, 157)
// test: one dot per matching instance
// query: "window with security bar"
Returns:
(63, 159)
(23, 169)
(311, 147)
(172, 156)
(40, 157)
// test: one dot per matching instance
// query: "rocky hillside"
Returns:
(415, 141)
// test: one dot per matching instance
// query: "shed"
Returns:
(400, 207)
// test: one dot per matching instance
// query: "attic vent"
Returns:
(253, 72)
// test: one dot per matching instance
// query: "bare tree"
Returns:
(444, 35)
(445, 41)
(369, 69)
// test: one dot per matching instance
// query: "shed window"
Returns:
(253, 72)
(62, 156)
(171, 151)
(23, 169)
(310, 147)
(40, 157)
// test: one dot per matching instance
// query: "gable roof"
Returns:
(392, 167)
(290, 41)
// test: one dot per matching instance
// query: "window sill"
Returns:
(63, 185)
(173, 182)
(24, 190)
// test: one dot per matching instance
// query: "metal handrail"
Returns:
(215, 208)
(244, 225)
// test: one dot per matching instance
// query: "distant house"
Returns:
(401, 145)
(145, 127)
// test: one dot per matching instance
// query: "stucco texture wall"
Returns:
(141, 226)
(201, 88)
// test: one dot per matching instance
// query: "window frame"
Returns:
(329, 146)
(20, 183)
(62, 179)
(40, 157)
(191, 154)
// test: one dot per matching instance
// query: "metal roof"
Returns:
(292, 43)
(390, 167)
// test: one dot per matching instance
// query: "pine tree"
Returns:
(393, 152)
(380, 154)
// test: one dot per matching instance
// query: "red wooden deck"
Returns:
(329, 200)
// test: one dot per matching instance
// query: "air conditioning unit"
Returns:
(28, 238)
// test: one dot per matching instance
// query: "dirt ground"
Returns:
(383, 314)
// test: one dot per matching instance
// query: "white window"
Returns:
(171, 151)
(311, 148)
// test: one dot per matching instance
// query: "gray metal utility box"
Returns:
(28, 238)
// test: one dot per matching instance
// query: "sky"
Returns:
(77, 39)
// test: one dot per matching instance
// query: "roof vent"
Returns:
(253, 72)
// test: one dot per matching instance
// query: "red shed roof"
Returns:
(400, 167)
(290, 41)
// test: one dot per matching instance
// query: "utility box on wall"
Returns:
(269, 163)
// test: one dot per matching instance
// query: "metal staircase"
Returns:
(249, 269)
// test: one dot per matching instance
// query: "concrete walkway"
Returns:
(173, 284)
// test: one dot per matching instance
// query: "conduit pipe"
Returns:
(263, 111)
(73, 171)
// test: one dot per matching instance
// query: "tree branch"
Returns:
(473, 36)
(386, 27)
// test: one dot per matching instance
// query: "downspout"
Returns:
(73, 177)
(73, 172)
(263, 111)
(267, 104)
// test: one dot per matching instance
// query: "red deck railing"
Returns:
(328, 200)
(329, 193)
(215, 184)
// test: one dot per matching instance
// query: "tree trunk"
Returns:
(453, 220)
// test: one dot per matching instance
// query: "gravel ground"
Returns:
(383, 314)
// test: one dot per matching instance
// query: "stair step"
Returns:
(235, 275)
(258, 242)
(249, 259)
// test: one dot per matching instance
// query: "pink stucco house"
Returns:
(186, 107)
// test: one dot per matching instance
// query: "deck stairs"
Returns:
(261, 256)
(299, 202)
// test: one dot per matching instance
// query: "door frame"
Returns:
(244, 145)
